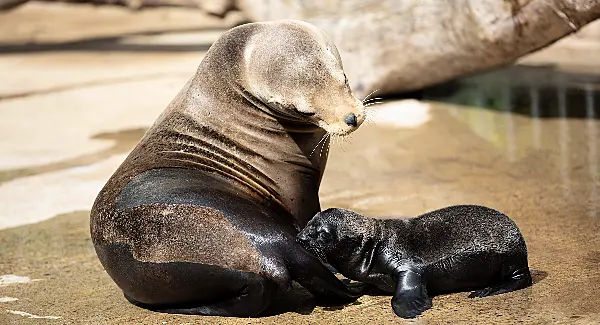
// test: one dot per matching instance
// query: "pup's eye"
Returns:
(325, 235)
(345, 79)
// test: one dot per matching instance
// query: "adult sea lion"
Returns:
(458, 248)
(201, 217)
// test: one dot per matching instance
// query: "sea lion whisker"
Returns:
(349, 138)
(370, 113)
(372, 103)
(371, 99)
(344, 140)
(318, 143)
(374, 91)
(368, 116)
(321, 151)
(328, 145)
(340, 140)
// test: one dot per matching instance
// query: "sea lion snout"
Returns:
(351, 120)
(343, 120)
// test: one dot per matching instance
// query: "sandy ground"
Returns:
(79, 86)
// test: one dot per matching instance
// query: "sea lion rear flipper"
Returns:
(252, 300)
(410, 298)
(310, 273)
(518, 279)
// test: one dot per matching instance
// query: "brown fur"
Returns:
(169, 233)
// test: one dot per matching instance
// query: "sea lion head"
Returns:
(335, 235)
(296, 70)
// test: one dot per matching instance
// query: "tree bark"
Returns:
(404, 45)
(399, 46)
(214, 7)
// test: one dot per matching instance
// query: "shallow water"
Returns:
(538, 92)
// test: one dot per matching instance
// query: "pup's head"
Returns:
(334, 235)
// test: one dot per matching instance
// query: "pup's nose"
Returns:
(351, 119)
(302, 238)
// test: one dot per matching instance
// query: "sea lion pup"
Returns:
(458, 248)
(201, 217)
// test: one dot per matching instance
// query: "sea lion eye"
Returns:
(307, 113)
(345, 79)
(306, 109)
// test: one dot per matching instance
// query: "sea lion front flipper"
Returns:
(518, 279)
(410, 298)
(310, 273)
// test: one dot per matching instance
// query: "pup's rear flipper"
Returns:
(519, 279)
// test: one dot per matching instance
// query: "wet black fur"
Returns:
(458, 248)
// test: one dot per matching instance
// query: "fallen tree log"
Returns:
(399, 46)
(213, 7)
(404, 45)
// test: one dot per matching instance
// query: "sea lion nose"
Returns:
(351, 119)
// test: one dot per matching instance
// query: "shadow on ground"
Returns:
(116, 43)
(60, 252)
(123, 142)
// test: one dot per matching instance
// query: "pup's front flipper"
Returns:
(411, 298)
(310, 273)
(517, 279)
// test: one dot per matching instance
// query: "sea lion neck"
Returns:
(216, 124)
(290, 120)
(232, 132)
